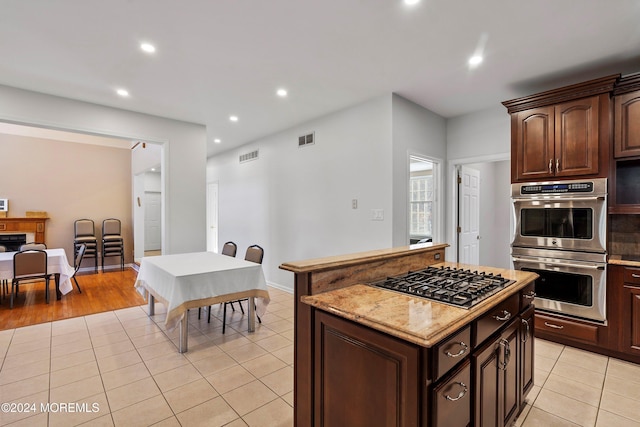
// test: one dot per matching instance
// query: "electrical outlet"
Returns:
(377, 214)
(354, 204)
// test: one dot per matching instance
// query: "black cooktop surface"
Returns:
(458, 287)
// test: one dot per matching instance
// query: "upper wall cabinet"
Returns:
(627, 117)
(562, 133)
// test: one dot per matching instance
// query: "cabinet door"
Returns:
(488, 393)
(533, 144)
(510, 379)
(631, 319)
(526, 352)
(627, 125)
(576, 137)
(363, 377)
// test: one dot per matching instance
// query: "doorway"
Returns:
(212, 217)
(495, 224)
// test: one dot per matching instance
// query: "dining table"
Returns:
(57, 264)
(198, 279)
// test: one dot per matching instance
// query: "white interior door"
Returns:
(469, 216)
(212, 217)
(152, 223)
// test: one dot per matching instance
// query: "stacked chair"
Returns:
(85, 234)
(112, 241)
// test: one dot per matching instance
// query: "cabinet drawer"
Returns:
(527, 295)
(452, 399)
(632, 275)
(496, 318)
(451, 352)
(566, 328)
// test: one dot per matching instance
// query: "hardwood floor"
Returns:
(100, 292)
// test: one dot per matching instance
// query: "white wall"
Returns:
(483, 136)
(297, 202)
(483, 133)
(415, 130)
(184, 158)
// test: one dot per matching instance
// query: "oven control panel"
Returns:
(578, 187)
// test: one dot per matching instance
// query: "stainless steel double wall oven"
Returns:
(561, 234)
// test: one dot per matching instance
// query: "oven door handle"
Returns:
(558, 264)
(557, 199)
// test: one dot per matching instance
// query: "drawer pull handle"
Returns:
(551, 325)
(550, 165)
(525, 338)
(460, 395)
(507, 354)
(530, 295)
(462, 351)
(635, 276)
(505, 316)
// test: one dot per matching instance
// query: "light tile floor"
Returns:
(122, 368)
(125, 369)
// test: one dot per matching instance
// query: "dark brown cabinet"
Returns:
(363, 377)
(624, 287)
(625, 182)
(557, 141)
(562, 133)
(627, 118)
(496, 379)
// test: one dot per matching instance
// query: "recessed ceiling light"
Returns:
(122, 92)
(475, 60)
(411, 2)
(233, 118)
(217, 141)
(281, 93)
(148, 47)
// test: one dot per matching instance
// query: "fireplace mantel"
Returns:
(24, 225)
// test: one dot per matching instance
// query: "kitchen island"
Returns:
(371, 356)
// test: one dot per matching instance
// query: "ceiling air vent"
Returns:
(247, 157)
(307, 139)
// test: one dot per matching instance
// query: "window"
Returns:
(421, 200)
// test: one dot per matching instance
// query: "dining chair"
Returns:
(255, 254)
(33, 246)
(29, 265)
(78, 260)
(85, 234)
(228, 249)
(112, 241)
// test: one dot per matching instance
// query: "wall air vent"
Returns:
(307, 139)
(247, 157)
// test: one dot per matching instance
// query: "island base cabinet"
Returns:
(362, 377)
(497, 379)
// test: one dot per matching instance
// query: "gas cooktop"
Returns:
(458, 287)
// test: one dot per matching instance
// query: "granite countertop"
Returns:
(628, 260)
(417, 320)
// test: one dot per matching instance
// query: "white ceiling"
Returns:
(220, 57)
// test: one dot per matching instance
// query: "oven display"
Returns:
(577, 187)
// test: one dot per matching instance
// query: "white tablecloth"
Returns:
(57, 263)
(198, 279)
